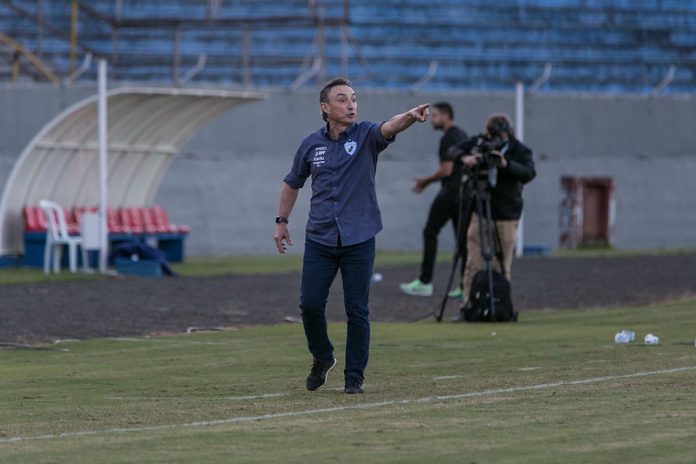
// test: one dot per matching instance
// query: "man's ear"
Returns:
(324, 107)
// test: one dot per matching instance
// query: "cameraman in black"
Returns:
(515, 167)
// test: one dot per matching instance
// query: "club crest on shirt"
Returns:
(350, 147)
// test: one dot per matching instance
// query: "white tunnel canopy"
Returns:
(147, 127)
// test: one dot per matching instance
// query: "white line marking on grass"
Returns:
(131, 339)
(348, 407)
(254, 397)
(525, 369)
(448, 377)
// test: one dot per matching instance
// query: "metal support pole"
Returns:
(103, 166)
(39, 28)
(519, 133)
(74, 10)
(321, 46)
(344, 51)
(246, 58)
(176, 54)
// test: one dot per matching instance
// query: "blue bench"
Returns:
(172, 244)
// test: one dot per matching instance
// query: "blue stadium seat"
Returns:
(619, 45)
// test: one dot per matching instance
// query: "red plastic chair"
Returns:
(146, 220)
(152, 224)
(78, 211)
(161, 219)
(131, 221)
(34, 219)
(113, 222)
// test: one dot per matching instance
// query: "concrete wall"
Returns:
(225, 182)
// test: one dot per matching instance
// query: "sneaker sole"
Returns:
(412, 293)
(326, 377)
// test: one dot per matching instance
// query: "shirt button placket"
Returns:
(335, 163)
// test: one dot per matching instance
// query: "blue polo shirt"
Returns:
(344, 200)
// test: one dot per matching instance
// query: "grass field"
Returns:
(553, 388)
(273, 264)
(211, 266)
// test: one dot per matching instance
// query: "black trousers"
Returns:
(446, 206)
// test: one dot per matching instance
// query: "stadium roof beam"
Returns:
(147, 127)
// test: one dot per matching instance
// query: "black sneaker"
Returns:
(353, 387)
(319, 374)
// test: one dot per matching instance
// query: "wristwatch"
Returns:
(280, 219)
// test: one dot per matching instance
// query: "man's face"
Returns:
(342, 105)
(437, 119)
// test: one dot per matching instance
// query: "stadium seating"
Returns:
(619, 46)
(124, 224)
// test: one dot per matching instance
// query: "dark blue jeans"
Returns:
(320, 266)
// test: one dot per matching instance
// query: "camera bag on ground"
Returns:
(478, 307)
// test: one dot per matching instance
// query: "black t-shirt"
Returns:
(453, 137)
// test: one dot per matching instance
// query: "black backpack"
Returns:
(478, 308)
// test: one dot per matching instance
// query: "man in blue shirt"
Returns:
(343, 220)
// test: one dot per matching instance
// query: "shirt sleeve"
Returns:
(300, 170)
(449, 140)
(377, 138)
(521, 166)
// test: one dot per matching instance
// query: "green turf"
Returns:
(125, 384)
(230, 265)
(206, 266)
(211, 266)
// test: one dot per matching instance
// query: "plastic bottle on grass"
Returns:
(625, 336)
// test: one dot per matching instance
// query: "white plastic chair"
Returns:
(56, 236)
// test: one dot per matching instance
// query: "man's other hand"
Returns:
(502, 162)
(421, 184)
(282, 238)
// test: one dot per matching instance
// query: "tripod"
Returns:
(482, 182)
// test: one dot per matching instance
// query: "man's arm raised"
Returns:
(403, 121)
(288, 197)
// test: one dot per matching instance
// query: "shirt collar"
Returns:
(347, 132)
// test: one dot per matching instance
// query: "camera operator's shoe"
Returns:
(417, 288)
(353, 387)
(456, 294)
(319, 374)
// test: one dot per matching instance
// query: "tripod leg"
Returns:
(491, 250)
(459, 252)
(441, 310)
